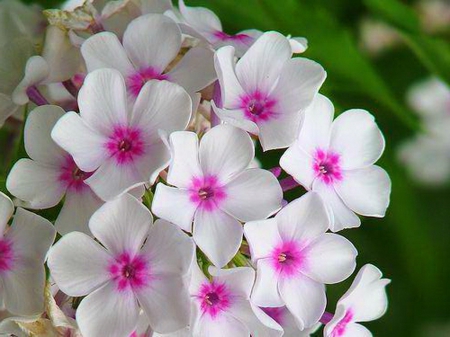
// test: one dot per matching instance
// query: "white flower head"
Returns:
(139, 266)
(121, 143)
(365, 301)
(214, 188)
(266, 92)
(51, 174)
(295, 258)
(336, 160)
(23, 249)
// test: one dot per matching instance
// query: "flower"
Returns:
(365, 301)
(266, 92)
(140, 265)
(295, 258)
(335, 159)
(122, 144)
(215, 188)
(50, 174)
(23, 249)
(150, 44)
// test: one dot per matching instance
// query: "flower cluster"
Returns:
(136, 110)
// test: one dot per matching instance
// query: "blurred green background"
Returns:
(411, 245)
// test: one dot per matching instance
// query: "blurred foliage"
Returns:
(411, 244)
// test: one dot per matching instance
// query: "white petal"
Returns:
(331, 258)
(261, 65)
(356, 136)
(299, 165)
(356, 330)
(236, 118)
(77, 209)
(84, 144)
(303, 219)
(298, 44)
(156, 6)
(279, 133)
(7, 108)
(340, 215)
(218, 235)
(156, 159)
(36, 71)
(185, 162)
(104, 50)
(78, 264)
(200, 18)
(35, 183)
(169, 249)
(195, 71)
(38, 142)
(166, 303)
(231, 90)
(6, 211)
(107, 312)
(223, 326)
(238, 280)
(161, 106)
(103, 100)
(262, 237)
(225, 151)
(152, 40)
(121, 225)
(174, 205)
(265, 293)
(305, 299)
(366, 191)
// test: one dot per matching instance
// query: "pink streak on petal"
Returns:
(341, 327)
(214, 297)
(6, 255)
(224, 37)
(327, 166)
(277, 314)
(72, 177)
(207, 192)
(258, 107)
(288, 259)
(130, 272)
(125, 144)
(136, 81)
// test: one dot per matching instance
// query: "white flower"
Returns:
(122, 144)
(23, 248)
(295, 258)
(150, 44)
(214, 188)
(365, 301)
(51, 174)
(335, 159)
(138, 266)
(266, 92)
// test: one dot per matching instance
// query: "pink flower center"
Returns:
(130, 272)
(72, 177)
(214, 298)
(341, 327)
(327, 166)
(6, 255)
(136, 81)
(207, 192)
(277, 314)
(125, 144)
(258, 107)
(288, 258)
(222, 36)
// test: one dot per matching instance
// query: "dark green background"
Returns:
(411, 244)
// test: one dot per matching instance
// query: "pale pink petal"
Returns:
(121, 225)
(218, 235)
(330, 259)
(366, 191)
(185, 161)
(265, 293)
(104, 50)
(78, 264)
(106, 312)
(84, 144)
(152, 40)
(252, 195)
(169, 249)
(36, 71)
(103, 100)
(239, 280)
(174, 205)
(236, 118)
(262, 237)
(261, 65)
(225, 151)
(195, 71)
(299, 164)
(200, 18)
(35, 183)
(6, 211)
(303, 219)
(305, 299)
(356, 136)
(222, 326)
